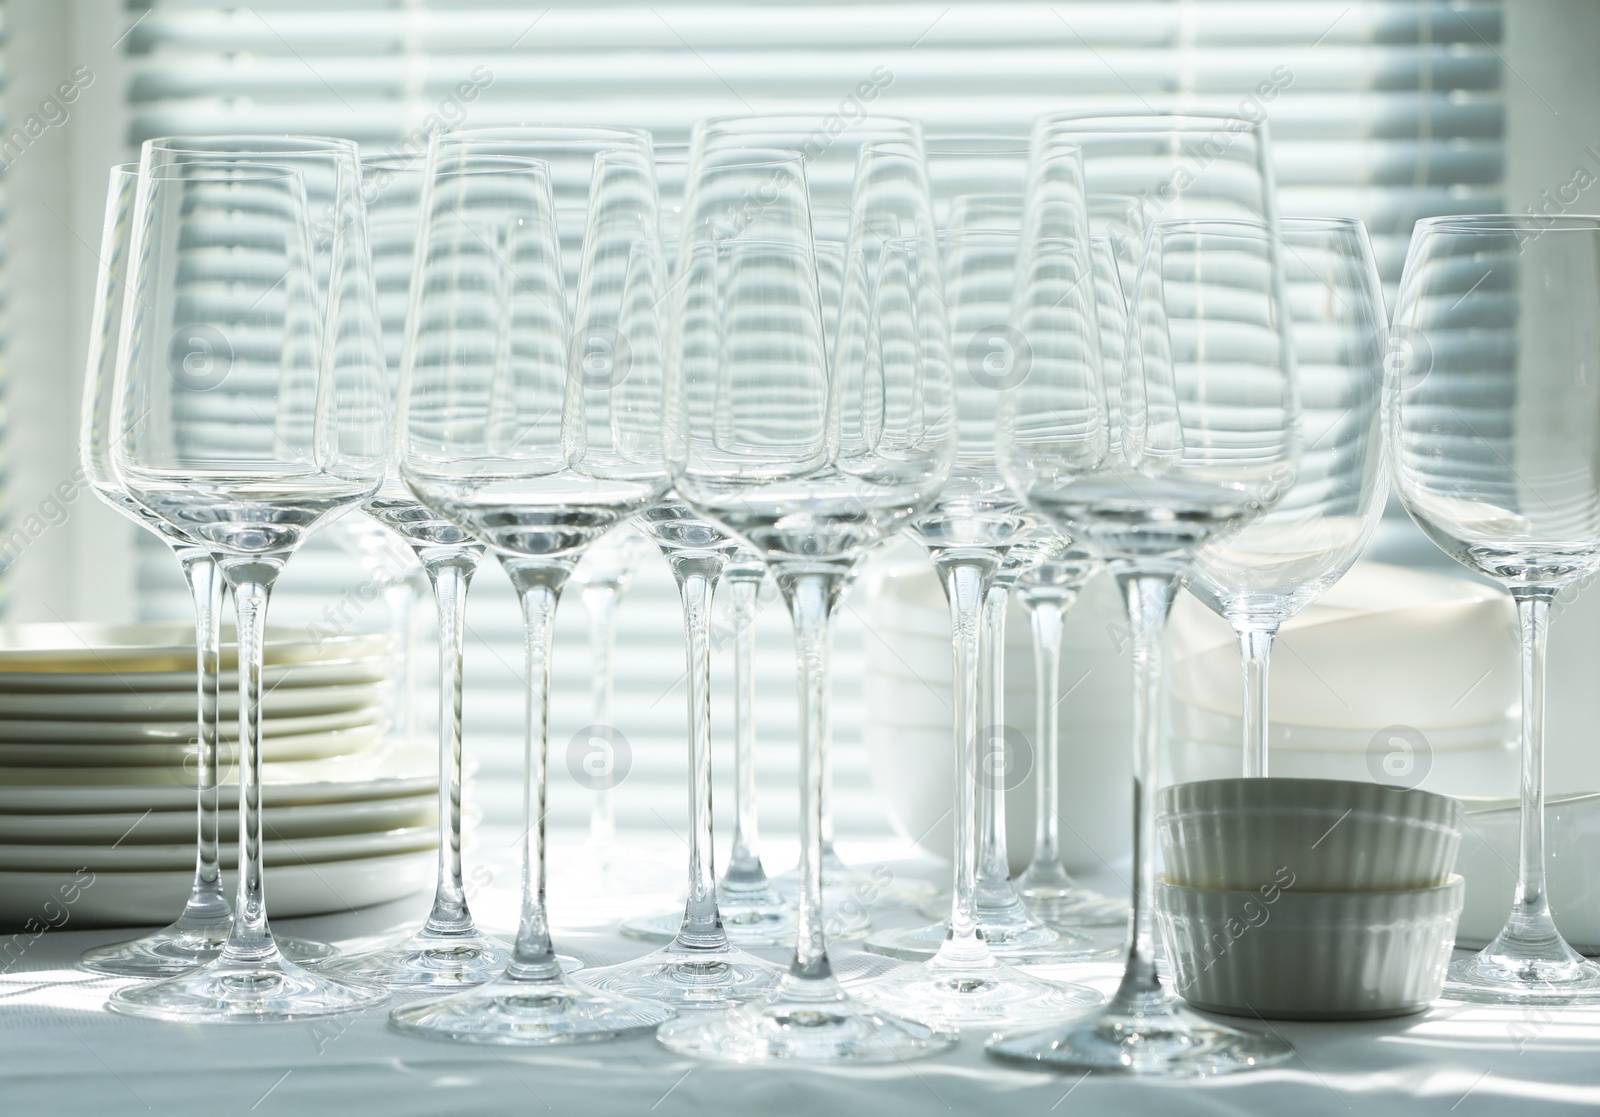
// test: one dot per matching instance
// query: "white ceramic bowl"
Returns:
(1287, 954)
(1328, 835)
(1488, 861)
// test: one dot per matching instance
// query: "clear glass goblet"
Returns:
(1263, 573)
(327, 169)
(505, 433)
(448, 951)
(808, 470)
(1494, 433)
(245, 454)
(1207, 416)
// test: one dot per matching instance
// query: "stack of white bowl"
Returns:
(1308, 899)
(98, 772)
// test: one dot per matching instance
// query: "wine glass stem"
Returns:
(965, 585)
(451, 572)
(744, 862)
(1255, 653)
(697, 576)
(1148, 597)
(811, 595)
(250, 939)
(208, 903)
(600, 602)
(1530, 908)
(1044, 616)
(994, 869)
(539, 588)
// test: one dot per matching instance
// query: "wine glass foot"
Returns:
(805, 1020)
(1074, 908)
(517, 1012)
(1173, 1043)
(1030, 944)
(428, 960)
(688, 979)
(758, 926)
(1496, 977)
(232, 991)
(180, 948)
(982, 995)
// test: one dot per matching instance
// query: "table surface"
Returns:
(62, 1052)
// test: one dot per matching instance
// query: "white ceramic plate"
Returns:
(333, 672)
(150, 858)
(182, 757)
(386, 774)
(172, 706)
(84, 647)
(177, 732)
(153, 899)
(311, 820)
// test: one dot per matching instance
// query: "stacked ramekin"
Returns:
(1308, 899)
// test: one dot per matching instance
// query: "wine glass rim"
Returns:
(1175, 120)
(525, 132)
(1322, 222)
(457, 166)
(314, 145)
(815, 121)
(1508, 223)
(758, 157)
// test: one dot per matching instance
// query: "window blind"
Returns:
(1387, 111)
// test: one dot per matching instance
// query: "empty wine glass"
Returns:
(831, 156)
(198, 934)
(618, 336)
(245, 454)
(501, 434)
(969, 534)
(1047, 590)
(1207, 416)
(808, 468)
(978, 183)
(448, 951)
(1263, 573)
(1494, 432)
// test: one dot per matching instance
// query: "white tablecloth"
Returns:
(62, 1053)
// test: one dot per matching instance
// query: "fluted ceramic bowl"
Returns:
(1325, 835)
(1286, 954)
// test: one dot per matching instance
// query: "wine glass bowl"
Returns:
(807, 465)
(1259, 575)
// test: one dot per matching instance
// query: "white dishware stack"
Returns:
(1399, 676)
(98, 775)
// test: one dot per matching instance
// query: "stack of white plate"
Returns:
(98, 773)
